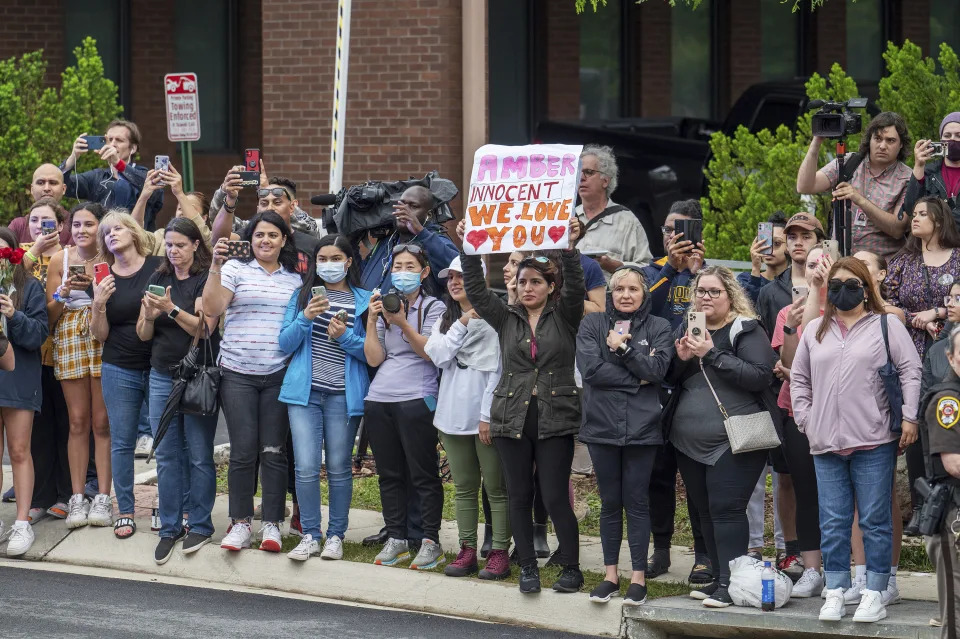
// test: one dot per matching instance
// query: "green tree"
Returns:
(39, 124)
(751, 175)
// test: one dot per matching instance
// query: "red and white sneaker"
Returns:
(270, 537)
(238, 536)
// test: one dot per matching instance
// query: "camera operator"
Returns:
(122, 141)
(939, 178)
(47, 183)
(939, 408)
(875, 190)
(413, 225)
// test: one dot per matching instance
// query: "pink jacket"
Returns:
(838, 398)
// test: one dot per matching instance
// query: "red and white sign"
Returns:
(183, 107)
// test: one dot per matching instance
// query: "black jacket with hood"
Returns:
(773, 297)
(932, 185)
(621, 403)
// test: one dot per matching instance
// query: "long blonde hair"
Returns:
(120, 216)
(740, 305)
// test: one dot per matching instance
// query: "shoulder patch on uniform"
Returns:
(948, 410)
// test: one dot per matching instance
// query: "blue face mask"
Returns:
(332, 272)
(406, 282)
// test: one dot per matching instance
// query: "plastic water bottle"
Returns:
(155, 514)
(768, 597)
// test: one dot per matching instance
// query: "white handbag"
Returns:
(746, 432)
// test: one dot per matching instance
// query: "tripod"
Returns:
(842, 223)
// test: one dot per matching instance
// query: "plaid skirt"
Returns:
(76, 353)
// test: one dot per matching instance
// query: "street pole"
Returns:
(340, 96)
(186, 152)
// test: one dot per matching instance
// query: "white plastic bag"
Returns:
(746, 587)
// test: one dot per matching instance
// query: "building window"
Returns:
(778, 42)
(944, 25)
(202, 41)
(102, 20)
(690, 60)
(865, 43)
(601, 85)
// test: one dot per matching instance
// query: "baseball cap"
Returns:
(455, 266)
(804, 221)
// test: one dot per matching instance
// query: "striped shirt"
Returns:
(251, 330)
(328, 356)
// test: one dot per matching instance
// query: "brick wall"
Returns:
(915, 24)
(654, 72)
(404, 95)
(563, 60)
(831, 27)
(744, 45)
(24, 28)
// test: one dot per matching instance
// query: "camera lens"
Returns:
(392, 303)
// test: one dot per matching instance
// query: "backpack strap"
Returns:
(886, 340)
(850, 166)
(607, 212)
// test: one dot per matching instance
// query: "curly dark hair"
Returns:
(882, 121)
(201, 258)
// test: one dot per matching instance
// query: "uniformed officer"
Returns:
(942, 419)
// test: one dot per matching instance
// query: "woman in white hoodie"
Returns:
(467, 351)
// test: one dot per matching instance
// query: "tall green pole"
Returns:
(186, 152)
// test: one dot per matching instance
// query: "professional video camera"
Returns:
(835, 119)
(369, 207)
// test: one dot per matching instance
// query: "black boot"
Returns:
(912, 529)
(376, 539)
(540, 541)
(487, 544)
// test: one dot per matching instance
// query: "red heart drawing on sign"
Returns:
(556, 232)
(477, 238)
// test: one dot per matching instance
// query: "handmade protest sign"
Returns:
(521, 198)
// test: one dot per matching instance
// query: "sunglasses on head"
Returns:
(852, 284)
(276, 191)
(414, 249)
(538, 259)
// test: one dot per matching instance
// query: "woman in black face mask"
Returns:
(933, 176)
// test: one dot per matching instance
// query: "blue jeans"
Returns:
(863, 479)
(322, 431)
(186, 476)
(124, 391)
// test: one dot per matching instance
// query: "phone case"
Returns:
(161, 163)
(238, 249)
(765, 233)
(100, 271)
(250, 179)
(251, 160)
(48, 226)
(95, 142)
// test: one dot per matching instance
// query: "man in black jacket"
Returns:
(940, 178)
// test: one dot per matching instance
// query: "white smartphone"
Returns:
(696, 324)
(832, 248)
(162, 163)
(799, 292)
(765, 233)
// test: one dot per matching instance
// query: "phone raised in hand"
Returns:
(799, 292)
(161, 163)
(318, 291)
(831, 248)
(696, 324)
(100, 271)
(250, 175)
(48, 226)
(78, 270)
(159, 291)
(95, 142)
(765, 234)
(238, 249)
(692, 231)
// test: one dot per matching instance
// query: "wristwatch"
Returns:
(623, 349)
(789, 330)
(173, 314)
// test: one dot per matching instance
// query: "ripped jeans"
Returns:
(257, 424)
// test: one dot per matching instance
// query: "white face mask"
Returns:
(332, 272)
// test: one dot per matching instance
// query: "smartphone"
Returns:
(238, 249)
(159, 291)
(48, 226)
(799, 292)
(250, 179)
(692, 230)
(622, 327)
(78, 270)
(696, 324)
(95, 142)
(251, 160)
(831, 248)
(100, 271)
(162, 163)
(318, 291)
(938, 148)
(765, 234)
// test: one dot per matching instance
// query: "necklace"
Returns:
(87, 261)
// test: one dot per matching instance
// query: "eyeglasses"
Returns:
(951, 300)
(589, 173)
(414, 249)
(667, 230)
(277, 191)
(712, 293)
(852, 285)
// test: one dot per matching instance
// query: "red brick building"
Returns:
(429, 80)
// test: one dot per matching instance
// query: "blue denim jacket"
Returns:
(295, 339)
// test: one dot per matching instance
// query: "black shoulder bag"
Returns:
(201, 395)
(891, 383)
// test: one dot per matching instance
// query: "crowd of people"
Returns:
(834, 365)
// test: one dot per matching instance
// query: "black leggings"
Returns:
(796, 450)
(623, 477)
(721, 493)
(553, 457)
(663, 502)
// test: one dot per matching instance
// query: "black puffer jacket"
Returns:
(932, 185)
(621, 403)
(558, 398)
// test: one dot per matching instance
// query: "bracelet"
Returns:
(99, 310)
(214, 272)
(33, 258)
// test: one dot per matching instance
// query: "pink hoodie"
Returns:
(838, 398)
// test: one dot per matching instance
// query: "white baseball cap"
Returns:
(455, 266)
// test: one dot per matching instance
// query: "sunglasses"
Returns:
(851, 285)
(277, 191)
(414, 249)
(527, 261)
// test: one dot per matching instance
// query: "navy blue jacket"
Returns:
(375, 270)
(27, 330)
(99, 185)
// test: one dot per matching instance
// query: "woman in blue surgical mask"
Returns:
(324, 389)
(398, 412)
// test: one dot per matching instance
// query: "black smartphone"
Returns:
(95, 142)
(251, 179)
(692, 230)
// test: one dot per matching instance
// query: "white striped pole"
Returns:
(340, 95)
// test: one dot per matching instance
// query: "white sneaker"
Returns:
(307, 547)
(77, 512)
(871, 607)
(21, 538)
(891, 595)
(852, 595)
(833, 609)
(810, 582)
(101, 511)
(270, 539)
(238, 537)
(333, 549)
(144, 444)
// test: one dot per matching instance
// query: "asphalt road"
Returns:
(35, 603)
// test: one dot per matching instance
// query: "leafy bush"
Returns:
(39, 125)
